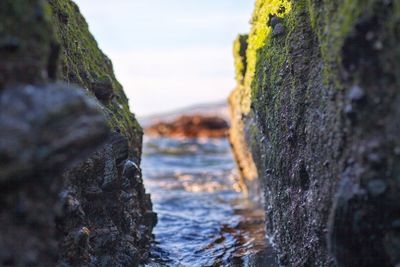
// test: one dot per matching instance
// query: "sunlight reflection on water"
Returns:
(203, 219)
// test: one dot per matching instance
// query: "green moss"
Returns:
(260, 36)
(239, 55)
(85, 64)
(331, 21)
(335, 21)
(25, 29)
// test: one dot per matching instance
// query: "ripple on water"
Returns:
(203, 220)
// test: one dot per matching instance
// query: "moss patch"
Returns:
(85, 64)
(259, 36)
(239, 55)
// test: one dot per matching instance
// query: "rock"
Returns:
(45, 130)
(33, 117)
(107, 199)
(150, 218)
(322, 96)
(190, 126)
(63, 191)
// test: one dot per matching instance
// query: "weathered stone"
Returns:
(45, 129)
(63, 191)
(324, 99)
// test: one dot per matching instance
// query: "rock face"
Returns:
(70, 181)
(237, 131)
(318, 104)
(191, 126)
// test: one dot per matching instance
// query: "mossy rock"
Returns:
(83, 63)
(323, 93)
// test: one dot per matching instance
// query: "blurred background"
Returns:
(169, 54)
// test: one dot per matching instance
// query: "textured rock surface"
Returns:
(319, 106)
(70, 182)
(45, 129)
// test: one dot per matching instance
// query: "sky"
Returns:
(169, 54)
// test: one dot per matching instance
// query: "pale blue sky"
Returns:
(169, 54)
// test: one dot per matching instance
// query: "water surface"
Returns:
(202, 218)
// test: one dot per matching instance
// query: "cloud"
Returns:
(161, 80)
(169, 54)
